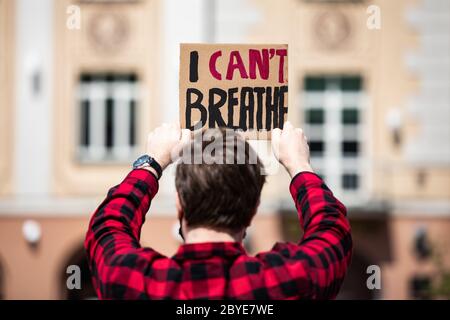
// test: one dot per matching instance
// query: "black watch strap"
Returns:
(155, 165)
(151, 162)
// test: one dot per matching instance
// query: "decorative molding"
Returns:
(108, 32)
(132, 50)
(332, 28)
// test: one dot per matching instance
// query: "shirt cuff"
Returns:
(148, 178)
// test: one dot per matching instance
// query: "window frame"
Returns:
(128, 85)
(333, 164)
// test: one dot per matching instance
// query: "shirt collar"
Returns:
(192, 251)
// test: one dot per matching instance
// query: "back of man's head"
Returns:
(219, 181)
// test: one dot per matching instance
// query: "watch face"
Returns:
(141, 160)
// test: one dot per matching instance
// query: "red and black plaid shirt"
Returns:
(314, 268)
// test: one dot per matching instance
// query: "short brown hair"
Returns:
(220, 196)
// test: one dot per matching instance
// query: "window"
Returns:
(422, 246)
(350, 116)
(316, 148)
(315, 84)
(107, 115)
(333, 107)
(315, 116)
(350, 181)
(420, 286)
(350, 84)
(350, 148)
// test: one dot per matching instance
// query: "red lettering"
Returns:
(239, 64)
(261, 60)
(258, 62)
(282, 53)
(212, 65)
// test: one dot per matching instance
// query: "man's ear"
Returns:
(178, 206)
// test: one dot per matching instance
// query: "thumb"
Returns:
(288, 125)
(180, 146)
(276, 136)
(185, 136)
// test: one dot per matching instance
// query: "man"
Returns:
(216, 203)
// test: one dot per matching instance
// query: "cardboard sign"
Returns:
(242, 87)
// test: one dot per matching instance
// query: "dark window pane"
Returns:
(351, 83)
(84, 123)
(420, 287)
(109, 77)
(350, 181)
(85, 78)
(350, 116)
(109, 124)
(132, 123)
(314, 83)
(100, 77)
(315, 116)
(316, 148)
(350, 148)
(123, 77)
(422, 246)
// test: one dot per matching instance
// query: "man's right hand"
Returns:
(166, 141)
(291, 149)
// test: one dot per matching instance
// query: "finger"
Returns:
(179, 148)
(185, 136)
(175, 128)
(276, 131)
(276, 134)
(288, 125)
(240, 133)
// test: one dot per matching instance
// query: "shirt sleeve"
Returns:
(320, 260)
(116, 259)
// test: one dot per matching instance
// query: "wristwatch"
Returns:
(147, 160)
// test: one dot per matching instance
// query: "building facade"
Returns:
(83, 82)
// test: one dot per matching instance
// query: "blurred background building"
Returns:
(76, 105)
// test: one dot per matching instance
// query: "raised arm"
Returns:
(321, 258)
(112, 240)
(114, 231)
(326, 245)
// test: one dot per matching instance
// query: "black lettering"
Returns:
(282, 108)
(193, 66)
(272, 107)
(232, 102)
(197, 104)
(270, 103)
(247, 107)
(259, 110)
(213, 107)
